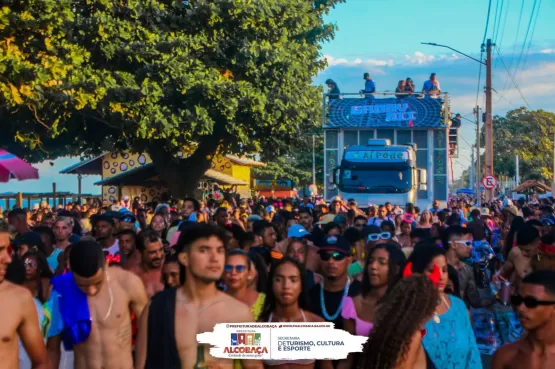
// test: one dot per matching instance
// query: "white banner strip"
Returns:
(281, 341)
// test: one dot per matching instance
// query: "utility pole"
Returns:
(478, 175)
(471, 179)
(314, 161)
(488, 130)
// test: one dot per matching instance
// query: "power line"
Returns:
(504, 24)
(496, 28)
(526, 37)
(532, 35)
(512, 79)
(487, 23)
(495, 19)
(514, 43)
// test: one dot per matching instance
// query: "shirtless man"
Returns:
(152, 259)
(18, 316)
(167, 337)
(535, 305)
(127, 240)
(109, 294)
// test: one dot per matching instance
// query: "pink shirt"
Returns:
(362, 327)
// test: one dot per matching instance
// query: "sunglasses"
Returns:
(377, 236)
(238, 268)
(337, 256)
(466, 243)
(529, 302)
(30, 263)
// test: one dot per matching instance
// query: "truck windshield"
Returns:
(365, 180)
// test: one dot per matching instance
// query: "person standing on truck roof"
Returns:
(369, 86)
(431, 87)
(333, 90)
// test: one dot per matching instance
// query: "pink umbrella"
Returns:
(13, 167)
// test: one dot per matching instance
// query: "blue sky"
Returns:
(383, 37)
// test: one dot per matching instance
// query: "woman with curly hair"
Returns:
(395, 342)
(286, 301)
(382, 271)
(450, 341)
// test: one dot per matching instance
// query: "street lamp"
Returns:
(489, 123)
(455, 50)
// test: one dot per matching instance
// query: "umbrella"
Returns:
(466, 191)
(13, 167)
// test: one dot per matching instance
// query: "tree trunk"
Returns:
(182, 176)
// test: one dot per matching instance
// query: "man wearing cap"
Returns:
(369, 85)
(326, 299)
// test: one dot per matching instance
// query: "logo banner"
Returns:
(280, 341)
(406, 112)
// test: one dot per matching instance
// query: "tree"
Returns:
(528, 134)
(201, 77)
(297, 165)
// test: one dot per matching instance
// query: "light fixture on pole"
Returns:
(488, 126)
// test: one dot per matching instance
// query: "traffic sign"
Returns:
(489, 182)
(482, 188)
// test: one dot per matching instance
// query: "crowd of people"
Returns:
(130, 285)
(405, 88)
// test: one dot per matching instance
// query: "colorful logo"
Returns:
(246, 339)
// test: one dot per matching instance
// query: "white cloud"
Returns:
(419, 58)
(358, 61)
(547, 51)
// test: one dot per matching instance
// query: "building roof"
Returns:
(224, 178)
(532, 185)
(147, 174)
(91, 166)
(244, 161)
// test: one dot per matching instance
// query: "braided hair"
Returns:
(409, 304)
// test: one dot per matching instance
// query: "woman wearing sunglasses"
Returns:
(535, 306)
(450, 341)
(237, 275)
(382, 271)
(287, 302)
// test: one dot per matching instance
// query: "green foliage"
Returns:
(235, 76)
(528, 134)
(297, 165)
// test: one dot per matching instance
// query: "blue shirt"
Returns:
(369, 86)
(451, 344)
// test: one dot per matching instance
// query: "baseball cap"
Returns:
(270, 209)
(106, 217)
(484, 211)
(31, 239)
(340, 219)
(336, 243)
(128, 217)
(548, 220)
(297, 231)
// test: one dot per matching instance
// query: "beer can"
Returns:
(505, 293)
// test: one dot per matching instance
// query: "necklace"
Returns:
(323, 303)
(436, 317)
(111, 305)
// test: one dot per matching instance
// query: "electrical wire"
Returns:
(525, 37)
(495, 19)
(532, 35)
(487, 22)
(514, 44)
(512, 79)
(503, 27)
